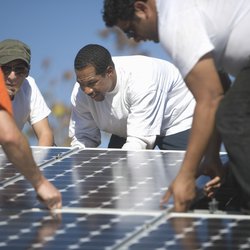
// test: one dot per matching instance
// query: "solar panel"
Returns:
(110, 201)
(41, 155)
(195, 231)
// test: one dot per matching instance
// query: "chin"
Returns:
(99, 98)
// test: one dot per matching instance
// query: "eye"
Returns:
(6, 69)
(87, 85)
(19, 70)
(91, 84)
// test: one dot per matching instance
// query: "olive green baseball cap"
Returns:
(12, 50)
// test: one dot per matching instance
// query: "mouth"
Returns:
(92, 95)
(11, 91)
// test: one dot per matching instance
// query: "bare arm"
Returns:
(211, 164)
(43, 132)
(204, 83)
(19, 153)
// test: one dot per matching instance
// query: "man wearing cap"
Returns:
(16, 148)
(27, 101)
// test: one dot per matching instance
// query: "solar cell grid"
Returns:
(38, 230)
(196, 232)
(41, 156)
(101, 179)
(110, 201)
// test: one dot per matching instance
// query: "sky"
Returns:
(56, 30)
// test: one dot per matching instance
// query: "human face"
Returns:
(96, 86)
(143, 26)
(14, 74)
(138, 30)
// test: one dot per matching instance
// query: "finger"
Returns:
(213, 182)
(166, 197)
(54, 204)
(56, 215)
(210, 191)
(210, 188)
(211, 194)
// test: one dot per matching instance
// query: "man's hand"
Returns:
(212, 186)
(48, 194)
(183, 189)
(217, 172)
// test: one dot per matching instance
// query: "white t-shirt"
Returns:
(189, 29)
(28, 104)
(149, 99)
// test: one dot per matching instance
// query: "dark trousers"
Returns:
(172, 142)
(233, 124)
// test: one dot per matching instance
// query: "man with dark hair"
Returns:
(18, 152)
(142, 101)
(202, 37)
(27, 102)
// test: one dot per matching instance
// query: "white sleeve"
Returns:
(38, 107)
(135, 143)
(183, 35)
(76, 144)
(82, 128)
(146, 114)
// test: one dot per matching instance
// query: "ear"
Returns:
(141, 8)
(110, 70)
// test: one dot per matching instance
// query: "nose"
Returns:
(88, 91)
(11, 79)
(12, 75)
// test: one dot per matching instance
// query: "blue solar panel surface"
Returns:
(110, 201)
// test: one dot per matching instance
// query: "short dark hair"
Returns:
(114, 10)
(94, 55)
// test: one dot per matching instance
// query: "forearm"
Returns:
(17, 149)
(204, 83)
(212, 153)
(44, 133)
(201, 135)
(25, 165)
(46, 139)
(83, 130)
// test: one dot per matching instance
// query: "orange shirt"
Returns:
(5, 102)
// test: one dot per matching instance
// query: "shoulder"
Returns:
(77, 95)
(76, 89)
(29, 82)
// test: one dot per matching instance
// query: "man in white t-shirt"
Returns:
(27, 102)
(202, 37)
(141, 99)
(18, 152)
